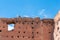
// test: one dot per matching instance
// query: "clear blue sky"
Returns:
(31, 8)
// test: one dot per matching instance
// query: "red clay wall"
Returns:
(27, 29)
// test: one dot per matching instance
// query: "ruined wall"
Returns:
(27, 29)
(57, 27)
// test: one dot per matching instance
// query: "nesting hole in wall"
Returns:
(32, 32)
(3, 26)
(0, 30)
(32, 23)
(23, 23)
(32, 27)
(6, 36)
(23, 36)
(28, 37)
(36, 22)
(10, 27)
(32, 36)
(18, 31)
(11, 36)
(37, 32)
(58, 28)
(49, 32)
(24, 32)
(56, 35)
(17, 36)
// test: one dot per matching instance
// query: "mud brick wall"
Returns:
(27, 29)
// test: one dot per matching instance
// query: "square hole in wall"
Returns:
(10, 27)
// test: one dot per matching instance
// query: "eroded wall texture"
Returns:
(27, 29)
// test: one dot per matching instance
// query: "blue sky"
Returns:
(29, 8)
